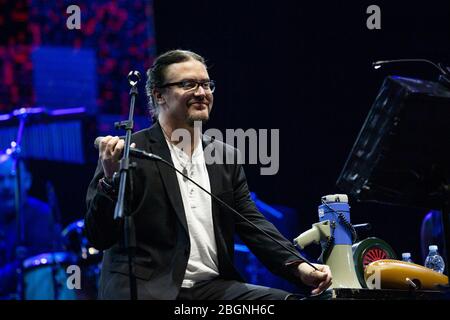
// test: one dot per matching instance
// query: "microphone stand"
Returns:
(124, 173)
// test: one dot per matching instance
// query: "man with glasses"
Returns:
(185, 239)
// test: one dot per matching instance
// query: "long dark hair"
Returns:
(156, 73)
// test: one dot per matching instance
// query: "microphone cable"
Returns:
(134, 152)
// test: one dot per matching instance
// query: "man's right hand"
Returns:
(110, 152)
(320, 279)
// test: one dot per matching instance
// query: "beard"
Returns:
(194, 117)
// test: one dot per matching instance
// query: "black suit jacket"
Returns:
(163, 243)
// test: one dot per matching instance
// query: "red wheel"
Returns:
(367, 251)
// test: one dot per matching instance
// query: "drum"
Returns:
(45, 276)
(88, 259)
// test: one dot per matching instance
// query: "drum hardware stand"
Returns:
(20, 250)
(54, 221)
(121, 178)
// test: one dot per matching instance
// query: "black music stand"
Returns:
(402, 153)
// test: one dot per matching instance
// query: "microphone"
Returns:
(133, 78)
(444, 72)
(137, 153)
(378, 64)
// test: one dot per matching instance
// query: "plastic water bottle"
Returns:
(406, 256)
(434, 261)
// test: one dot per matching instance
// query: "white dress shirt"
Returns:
(203, 263)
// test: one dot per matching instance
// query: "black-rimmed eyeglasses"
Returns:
(188, 85)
